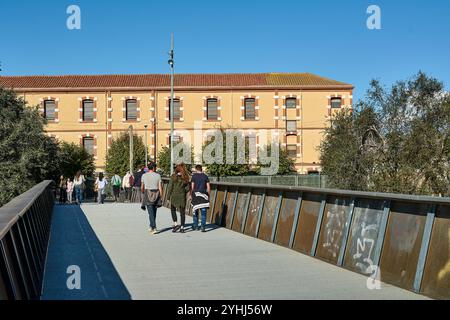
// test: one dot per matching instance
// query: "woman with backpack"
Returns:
(177, 191)
(116, 182)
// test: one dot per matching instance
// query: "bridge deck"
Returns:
(119, 259)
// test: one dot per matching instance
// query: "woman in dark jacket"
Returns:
(178, 188)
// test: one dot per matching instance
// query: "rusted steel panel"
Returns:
(239, 211)
(211, 203)
(268, 215)
(402, 243)
(286, 218)
(436, 277)
(332, 229)
(307, 221)
(228, 209)
(217, 214)
(363, 235)
(253, 210)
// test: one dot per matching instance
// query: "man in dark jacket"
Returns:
(137, 194)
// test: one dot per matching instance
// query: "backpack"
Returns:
(131, 181)
(116, 182)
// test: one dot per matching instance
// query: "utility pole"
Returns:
(146, 144)
(130, 133)
(171, 62)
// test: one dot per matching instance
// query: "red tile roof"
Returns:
(269, 80)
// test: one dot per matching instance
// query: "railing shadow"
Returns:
(73, 245)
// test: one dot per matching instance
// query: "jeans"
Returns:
(152, 215)
(62, 195)
(128, 193)
(100, 196)
(173, 210)
(78, 195)
(195, 216)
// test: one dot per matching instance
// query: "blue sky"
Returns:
(329, 38)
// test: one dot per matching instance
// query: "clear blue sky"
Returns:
(325, 37)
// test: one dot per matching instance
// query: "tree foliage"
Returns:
(396, 140)
(286, 165)
(163, 159)
(118, 156)
(27, 154)
(72, 157)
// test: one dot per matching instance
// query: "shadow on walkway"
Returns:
(73, 242)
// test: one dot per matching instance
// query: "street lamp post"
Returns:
(171, 62)
(146, 145)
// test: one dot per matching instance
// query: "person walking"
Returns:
(69, 190)
(101, 183)
(79, 185)
(177, 190)
(62, 190)
(200, 191)
(151, 187)
(127, 184)
(137, 194)
(116, 182)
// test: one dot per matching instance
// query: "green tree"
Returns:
(220, 167)
(118, 156)
(163, 159)
(72, 157)
(396, 140)
(27, 154)
(286, 164)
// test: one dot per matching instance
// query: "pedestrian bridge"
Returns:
(262, 242)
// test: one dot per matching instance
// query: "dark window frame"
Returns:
(175, 102)
(84, 102)
(246, 117)
(93, 145)
(45, 109)
(208, 109)
(291, 99)
(336, 99)
(127, 118)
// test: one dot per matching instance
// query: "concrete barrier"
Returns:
(406, 238)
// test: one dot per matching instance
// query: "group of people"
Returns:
(147, 185)
(69, 187)
(180, 186)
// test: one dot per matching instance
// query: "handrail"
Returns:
(24, 233)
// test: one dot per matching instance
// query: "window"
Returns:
(176, 140)
(291, 103)
(131, 109)
(249, 108)
(88, 110)
(49, 109)
(291, 150)
(176, 109)
(211, 109)
(88, 144)
(336, 103)
(291, 125)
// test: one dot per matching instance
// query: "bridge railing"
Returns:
(399, 239)
(24, 234)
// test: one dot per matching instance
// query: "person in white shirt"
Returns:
(126, 185)
(78, 185)
(101, 183)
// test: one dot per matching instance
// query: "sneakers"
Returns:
(182, 229)
(153, 231)
(203, 229)
(175, 228)
(194, 228)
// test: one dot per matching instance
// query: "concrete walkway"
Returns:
(119, 259)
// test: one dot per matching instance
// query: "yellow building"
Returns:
(92, 110)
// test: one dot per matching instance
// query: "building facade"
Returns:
(92, 110)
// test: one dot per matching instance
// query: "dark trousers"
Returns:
(116, 190)
(62, 195)
(152, 215)
(173, 210)
(128, 194)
